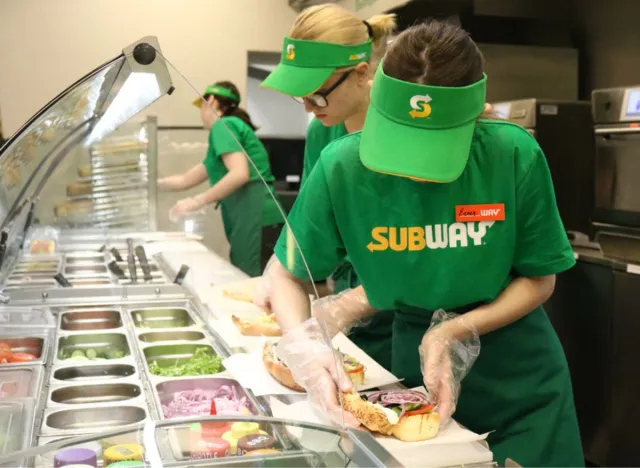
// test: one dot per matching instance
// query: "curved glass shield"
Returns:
(84, 195)
(205, 442)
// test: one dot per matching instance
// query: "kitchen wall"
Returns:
(275, 114)
(47, 45)
(611, 42)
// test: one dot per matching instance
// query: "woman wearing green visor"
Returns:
(250, 215)
(327, 61)
(439, 208)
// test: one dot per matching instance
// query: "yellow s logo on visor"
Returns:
(420, 107)
(291, 52)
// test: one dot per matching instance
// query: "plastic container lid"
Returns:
(17, 383)
(17, 319)
(75, 456)
(16, 426)
(128, 463)
(124, 452)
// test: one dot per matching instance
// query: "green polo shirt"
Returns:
(409, 241)
(222, 140)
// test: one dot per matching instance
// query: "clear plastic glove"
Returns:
(262, 293)
(316, 367)
(184, 207)
(342, 312)
(446, 360)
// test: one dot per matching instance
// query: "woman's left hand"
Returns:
(447, 352)
(184, 206)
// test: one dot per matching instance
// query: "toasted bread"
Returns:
(408, 428)
(277, 368)
(371, 416)
(260, 326)
(417, 427)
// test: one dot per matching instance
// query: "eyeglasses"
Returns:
(319, 98)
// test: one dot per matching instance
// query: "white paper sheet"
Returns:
(249, 369)
(453, 445)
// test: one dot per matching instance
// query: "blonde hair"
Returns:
(335, 24)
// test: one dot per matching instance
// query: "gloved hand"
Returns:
(341, 312)
(262, 293)
(446, 359)
(316, 367)
(185, 206)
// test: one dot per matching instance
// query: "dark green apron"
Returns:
(374, 338)
(519, 388)
(242, 218)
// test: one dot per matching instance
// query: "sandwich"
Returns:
(258, 326)
(281, 372)
(407, 415)
(243, 297)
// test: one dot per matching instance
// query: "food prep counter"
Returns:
(112, 351)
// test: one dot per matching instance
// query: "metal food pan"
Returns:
(20, 382)
(165, 391)
(32, 344)
(90, 282)
(162, 318)
(101, 342)
(141, 282)
(153, 267)
(94, 372)
(34, 284)
(89, 270)
(93, 419)
(84, 320)
(85, 256)
(31, 276)
(172, 354)
(149, 338)
(119, 393)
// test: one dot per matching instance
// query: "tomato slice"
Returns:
(5, 354)
(22, 357)
(425, 409)
(4, 345)
(360, 368)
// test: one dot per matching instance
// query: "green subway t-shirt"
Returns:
(221, 142)
(318, 137)
(403, 237)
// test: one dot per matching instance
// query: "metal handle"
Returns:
(116, 255)
(62, 281)
(116, 270)
(131, 261)
(181, 274)
(144, 263)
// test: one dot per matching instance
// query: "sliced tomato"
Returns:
(355, 370)
(4, 345)
(22, 357)
(425, 409)
(5, 354)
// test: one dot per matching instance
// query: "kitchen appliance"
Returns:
(564, 130)
(616, 113)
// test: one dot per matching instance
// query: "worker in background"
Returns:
(439, 209)
(327, 61)
(243, 188)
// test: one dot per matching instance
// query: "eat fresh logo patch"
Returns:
(489, 212)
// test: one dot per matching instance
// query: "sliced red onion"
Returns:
(198, 403)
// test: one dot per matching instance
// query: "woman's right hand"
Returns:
(316, 367)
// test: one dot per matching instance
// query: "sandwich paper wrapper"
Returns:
(250, 371)
(454, 445)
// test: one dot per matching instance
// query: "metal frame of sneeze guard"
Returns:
(85, 112)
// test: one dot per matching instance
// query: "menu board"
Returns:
(632, 99)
